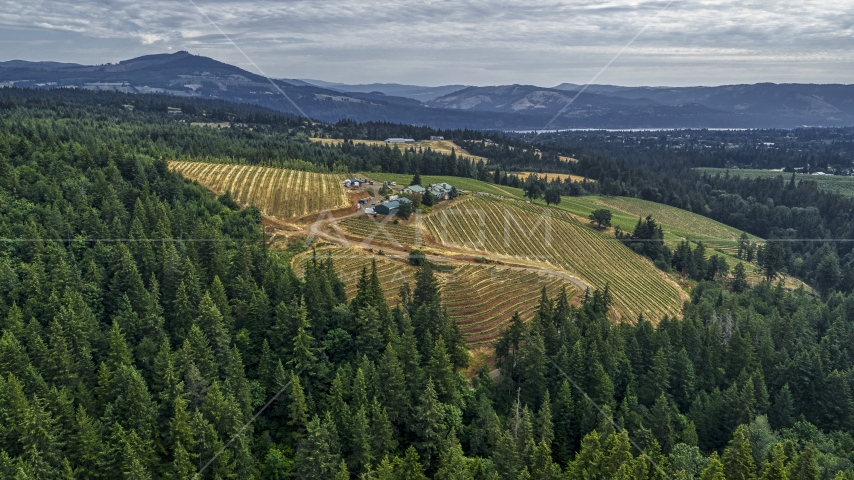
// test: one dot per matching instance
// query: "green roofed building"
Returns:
(390, 208)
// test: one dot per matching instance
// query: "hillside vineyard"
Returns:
(157, 321)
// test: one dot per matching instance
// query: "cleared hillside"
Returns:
(441, 146)
(677, 224)
(554, 239)
(480, 298)
(278, 192)
(551, 176)
(844, 185)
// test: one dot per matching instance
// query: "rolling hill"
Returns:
(551, 239)
(279, 193)
(502, 107)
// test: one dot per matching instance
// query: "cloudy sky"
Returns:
(474, 42)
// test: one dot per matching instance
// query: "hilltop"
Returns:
(501, 107)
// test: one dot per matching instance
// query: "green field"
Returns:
(520, 233)
(827, 183)
(467, 184)
(677, 224)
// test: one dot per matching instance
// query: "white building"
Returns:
(399, 140)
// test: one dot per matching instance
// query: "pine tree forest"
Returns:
(147, 333)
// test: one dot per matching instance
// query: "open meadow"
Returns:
(843, 185)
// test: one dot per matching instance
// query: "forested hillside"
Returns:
(144, 324)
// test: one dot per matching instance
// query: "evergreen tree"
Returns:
(428, 427)
(411, 467)
(715, 469)
(393, 395)
(297, 408)
(805, 465)
(738, 456)
(739, 278)
(776, 468)
(317, 456)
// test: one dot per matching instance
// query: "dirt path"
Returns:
(320, 230)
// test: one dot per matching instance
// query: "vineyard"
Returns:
(551, 176)
(480, 298)
(278, 192)
(372, 230)
(677, 224)
(441, 146)
(555, 239)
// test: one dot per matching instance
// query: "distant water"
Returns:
(637, 130)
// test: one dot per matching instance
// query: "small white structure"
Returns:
(369, 211)
(399, 140)
(432, 137)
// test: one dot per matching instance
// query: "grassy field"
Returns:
(278, 192)
(510, 231)
(828, 183)
(550, 176)
(677, 224)
(441, 146)
(468, 184)
(480, 298)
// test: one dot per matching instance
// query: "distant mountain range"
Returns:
(505, 107)
(414, 92)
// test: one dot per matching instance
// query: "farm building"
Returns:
(414, 189)
(433, 137)
(442, 191)
(389, 208)
(399, 140)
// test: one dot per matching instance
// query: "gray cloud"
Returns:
(441, 41)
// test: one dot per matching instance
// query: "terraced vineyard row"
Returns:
(520, 231)
(480, 298)
(369, 228)
(679, 222)
(278, 192)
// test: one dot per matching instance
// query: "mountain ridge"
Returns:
(500, 107)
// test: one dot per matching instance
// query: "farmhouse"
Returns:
(390, 208)
(442, 191)
(433, 137)
(414, 189)
(399, 140)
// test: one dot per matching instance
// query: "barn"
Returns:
(390, 208)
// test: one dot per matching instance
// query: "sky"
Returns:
(439, 42)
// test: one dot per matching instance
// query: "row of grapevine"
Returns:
(278, 192)
(480, 298)
(679, 222)
(381, 231)
(551, 238)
